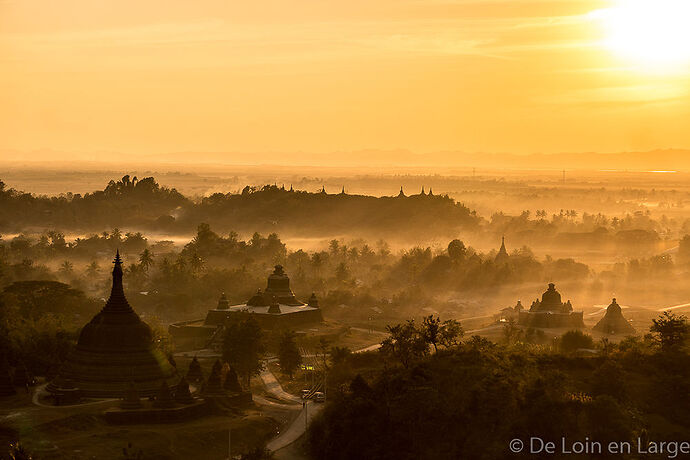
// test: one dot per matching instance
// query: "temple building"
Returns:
(614, 322)
(511, 313)
(115, 349)
(502, 257)
(275, 307)
(551, 312)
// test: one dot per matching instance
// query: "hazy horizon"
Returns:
(444, 76)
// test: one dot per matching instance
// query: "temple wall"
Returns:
(189, 336)
(551, 320)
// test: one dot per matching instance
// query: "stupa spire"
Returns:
(117, 302)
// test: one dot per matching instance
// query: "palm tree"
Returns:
(92, 270)
(66, 267)
(146, 259)
(116, 235)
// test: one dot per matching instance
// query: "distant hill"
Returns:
(144, 205)
(660, 159)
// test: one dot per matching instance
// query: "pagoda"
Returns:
(551, 312)
(613, 321)
(502, 257)
(115, 348)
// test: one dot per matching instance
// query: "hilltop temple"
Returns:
(614, 322)
(115, 348)
(551, 312)
(274, 307)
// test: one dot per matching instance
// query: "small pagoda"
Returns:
(613, 321)
(115, 348)
(502, 257)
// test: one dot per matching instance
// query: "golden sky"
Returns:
(158, 76)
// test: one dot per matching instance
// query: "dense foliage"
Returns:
(145, 204)
(471, 400)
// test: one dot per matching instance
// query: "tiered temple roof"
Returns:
(116, 347)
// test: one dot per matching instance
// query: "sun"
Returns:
(652, 33)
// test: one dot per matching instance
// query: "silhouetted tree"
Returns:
(243, 345)
(288, 353)
(404, 343)
(672, 330)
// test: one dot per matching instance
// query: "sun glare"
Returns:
(652, 33)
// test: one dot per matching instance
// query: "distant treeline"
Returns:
(145, 204)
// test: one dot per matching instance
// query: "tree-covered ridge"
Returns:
(148, 205)
(316, 213)
(124, 202)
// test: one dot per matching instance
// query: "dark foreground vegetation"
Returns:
(470, 400)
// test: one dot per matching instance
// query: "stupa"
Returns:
(502, 257)
(213, 386)
(164, 398)
(613, 321)
(182, 393)
(195, 374)
(551, 312)
(231, 382)
(115, 348)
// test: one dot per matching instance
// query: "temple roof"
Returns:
(502, 255)
(551, 298)
(117, 302)
(613, 321)
(114, 348)
(313, 301)
(223, 303)
(278, 286)
(116, 327)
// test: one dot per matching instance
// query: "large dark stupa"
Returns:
(115, 349)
